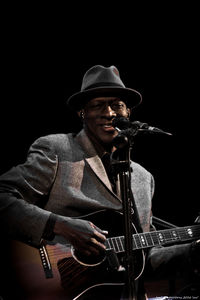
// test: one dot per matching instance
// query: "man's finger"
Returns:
(97, 243)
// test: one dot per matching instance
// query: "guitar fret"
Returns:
(175, 235)
(170, 236)
(115, 246)
(187, 233)
(155, 239)
(149, 239)
(142, 239)
(146, 242)
(160, 237)
(117, 240)
(120, 244)
(108, 244)
(137, 241)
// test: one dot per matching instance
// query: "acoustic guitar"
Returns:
(78, 275)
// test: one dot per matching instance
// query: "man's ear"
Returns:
(128, 112)
(81, 114)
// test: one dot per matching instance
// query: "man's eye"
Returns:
(117, 106)
(94, 105)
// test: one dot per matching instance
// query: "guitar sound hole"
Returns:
(91, 260)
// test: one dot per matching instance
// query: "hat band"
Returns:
(102, 84)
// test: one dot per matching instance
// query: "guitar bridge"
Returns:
(45, 262)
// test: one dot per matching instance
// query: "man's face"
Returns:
(99, 114)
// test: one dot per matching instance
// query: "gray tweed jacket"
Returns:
(63, 174)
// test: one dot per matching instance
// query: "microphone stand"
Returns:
(121, 166)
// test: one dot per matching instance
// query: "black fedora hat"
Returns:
(106, 82)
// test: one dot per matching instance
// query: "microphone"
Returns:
(121, 123)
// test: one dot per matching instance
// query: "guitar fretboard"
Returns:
(155, 238)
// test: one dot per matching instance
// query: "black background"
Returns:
(45, 56)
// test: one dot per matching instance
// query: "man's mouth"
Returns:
(107, 127)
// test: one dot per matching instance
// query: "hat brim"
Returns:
(130, 96)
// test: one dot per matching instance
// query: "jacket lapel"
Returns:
(98, 168)
(93, 159)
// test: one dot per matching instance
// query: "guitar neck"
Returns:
(155, 238)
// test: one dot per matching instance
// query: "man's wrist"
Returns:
(48, 233)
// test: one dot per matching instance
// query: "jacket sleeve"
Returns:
(169, 262)
(23, 192)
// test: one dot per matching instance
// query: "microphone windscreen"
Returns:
(121, 123)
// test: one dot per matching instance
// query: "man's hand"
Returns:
(83, 235)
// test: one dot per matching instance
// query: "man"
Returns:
(67, 176)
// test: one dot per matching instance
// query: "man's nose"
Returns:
(108, 111)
